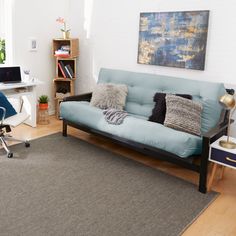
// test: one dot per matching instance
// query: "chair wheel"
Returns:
(27, 144)
(10, 154)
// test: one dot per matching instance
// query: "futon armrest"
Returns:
(81, 97)
(217, 130)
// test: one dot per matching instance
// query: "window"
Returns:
(2, 33)
(6, 53)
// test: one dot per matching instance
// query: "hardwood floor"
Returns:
(218, 219)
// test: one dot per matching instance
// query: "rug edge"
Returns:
(217, 194)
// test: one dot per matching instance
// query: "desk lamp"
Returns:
(228, 102)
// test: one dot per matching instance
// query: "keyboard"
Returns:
(12, 84)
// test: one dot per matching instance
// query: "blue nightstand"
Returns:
(221, 157)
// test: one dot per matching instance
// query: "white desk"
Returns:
(27, 93)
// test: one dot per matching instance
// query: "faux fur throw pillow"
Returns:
(159, 110)
(183, 114)
(109, 96)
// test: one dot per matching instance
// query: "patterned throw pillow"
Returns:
(183, 114)
(159, 110)
(109, 96)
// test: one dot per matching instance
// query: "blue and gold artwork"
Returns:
(176, 39)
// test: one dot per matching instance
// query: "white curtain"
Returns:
(2, 19)
(6, 8)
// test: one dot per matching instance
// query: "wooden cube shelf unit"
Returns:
(64, 86)
(66, 63)
(72, 43)
(58, 101)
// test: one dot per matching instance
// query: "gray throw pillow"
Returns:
(183, 114)
(109, 96)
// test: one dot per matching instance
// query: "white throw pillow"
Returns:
(109, 96)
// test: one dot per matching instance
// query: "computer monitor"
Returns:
(10, 74)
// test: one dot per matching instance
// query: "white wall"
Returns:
(108, 35)
(37, 19)
(108, 32)
(2, 22)
(113, 38)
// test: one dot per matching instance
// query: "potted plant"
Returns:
(43, 102)
(65, 31)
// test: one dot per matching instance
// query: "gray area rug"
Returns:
(65, 186)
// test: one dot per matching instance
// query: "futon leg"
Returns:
(64, 132)
(203, 181)
(204, 166)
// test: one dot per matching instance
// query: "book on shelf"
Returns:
(68, 72)
(65, 48)
(62, 55)
(71, 72)
(63, 51)
(62, 66)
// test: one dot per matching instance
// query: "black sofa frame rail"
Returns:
(188, 163)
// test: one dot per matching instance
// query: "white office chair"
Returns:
(12, 121)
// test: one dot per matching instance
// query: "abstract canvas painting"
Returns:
(176, 39)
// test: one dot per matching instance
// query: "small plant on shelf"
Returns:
(43, 102)
(65, 31)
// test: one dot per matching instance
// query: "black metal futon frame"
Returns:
(200, 167)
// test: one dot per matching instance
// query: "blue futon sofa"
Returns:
(148, 137)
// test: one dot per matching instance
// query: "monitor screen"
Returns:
(10, 74)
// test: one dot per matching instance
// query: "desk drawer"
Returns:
(223, 157)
